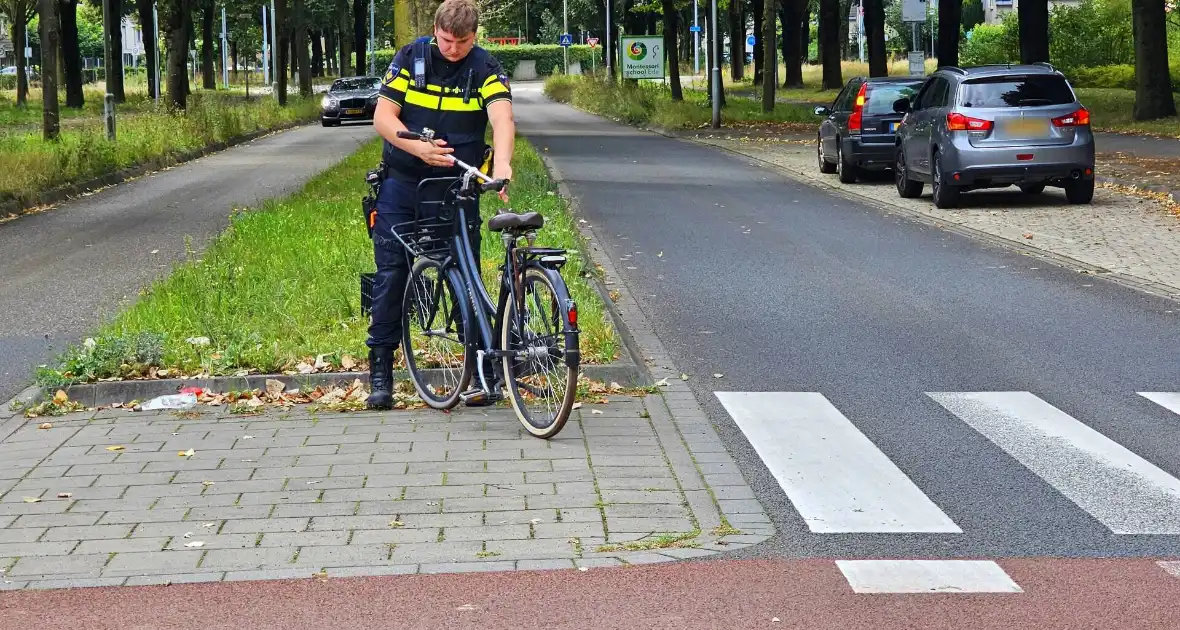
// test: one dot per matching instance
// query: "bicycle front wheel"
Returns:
(435, 328)
(541, 363)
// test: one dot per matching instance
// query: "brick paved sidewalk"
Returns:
(289, 493)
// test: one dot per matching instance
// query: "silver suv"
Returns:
(993, 127)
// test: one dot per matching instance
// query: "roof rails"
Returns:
(953, 69)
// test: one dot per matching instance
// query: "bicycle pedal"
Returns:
(477, 398)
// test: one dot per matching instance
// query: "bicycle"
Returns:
(529, 364)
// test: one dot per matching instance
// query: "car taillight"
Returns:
(854, 121)
(958, 122)
(1080, 118)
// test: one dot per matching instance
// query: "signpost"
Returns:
(643, 57)
(566, 40)
(914, 12)
(696, 40)
(593, 41)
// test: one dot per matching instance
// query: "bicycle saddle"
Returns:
(513, 221)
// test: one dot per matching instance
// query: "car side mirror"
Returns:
(822, 110)
(902, 105)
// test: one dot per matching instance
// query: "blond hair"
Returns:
(457, 17)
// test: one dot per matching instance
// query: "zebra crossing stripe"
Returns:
(837, 479)
(927, 576)
(1167, 400)
(1123, 491)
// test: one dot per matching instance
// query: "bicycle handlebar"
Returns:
(490, 184)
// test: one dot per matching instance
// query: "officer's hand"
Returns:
(436, 155)
(503, 171)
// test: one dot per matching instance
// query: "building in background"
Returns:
(7, 56)
(132, 42)
(995, 10)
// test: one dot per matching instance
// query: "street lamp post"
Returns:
(156, 47)
(372, 31)
(265, 49)
(715, 44)
(108, 101)
(565, 28)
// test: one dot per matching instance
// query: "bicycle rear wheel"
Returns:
(435, 327)
(541, 371)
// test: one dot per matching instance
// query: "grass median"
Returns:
(29, 165)
(280, 287)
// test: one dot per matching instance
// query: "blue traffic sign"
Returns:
(750, 40)
(694, 29)
(565, 39)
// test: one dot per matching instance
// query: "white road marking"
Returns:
(838, 480)
(1123, 491)
(1167, 400)
(1172, 567)
(927, 576)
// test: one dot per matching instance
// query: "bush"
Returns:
(8, 82)
(1092, 33)
(1118, 76)
(548, 56)
(991, 43)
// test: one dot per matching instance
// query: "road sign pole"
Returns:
(265, 49)
(224, 52)
(372, 36)
(156, 47)
(696, 39)
(108, 101)
(606, 48)
(565, 28)
(715, 43)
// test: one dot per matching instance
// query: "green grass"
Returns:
(650, 103)
(281, 285)
(30, 165)
(1111, 109)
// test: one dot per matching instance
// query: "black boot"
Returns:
(380, 378)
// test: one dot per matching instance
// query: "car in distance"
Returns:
(994, 127)
(349, 98)
(858, 130)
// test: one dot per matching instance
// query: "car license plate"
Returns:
(893, 126)
(1026, 127)
(353, 111)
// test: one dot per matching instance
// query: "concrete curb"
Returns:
(683, 428)
(22, 206)
(108, 392)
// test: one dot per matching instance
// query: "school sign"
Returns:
(642, 57)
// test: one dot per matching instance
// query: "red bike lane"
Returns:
(1056, 593)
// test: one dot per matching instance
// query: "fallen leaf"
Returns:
(577, 405)
(718, 375)
(596, 411)
(684, 377)
(188, 453)
(155, 251)
(663, 382)
(206, 483)
(583, 568)
(188, 534)
(322, 575)
(313, 482)
(396, 524)
(320, 363)
(32, 500)
(247, 437)
(115, 448)
(775, 620)
(209, 525)
(347, 362)
(304, 368)
(64, 495)
(195, 543)
(254, 403)
(1028, 235)
(274, 387)
(46, 425)
(660, 255)
(60, 397)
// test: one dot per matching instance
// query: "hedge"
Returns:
(548, 56)
(1119, 76)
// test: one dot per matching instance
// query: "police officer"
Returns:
(454, 87)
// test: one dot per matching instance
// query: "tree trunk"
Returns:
(115, 72)
(18, 46)
(330, 44)
(317, 53)
(737, 39)
(758, 8)
(360, 33)
(875, 34)
(793, 51)
(177, 30)
(1033, 17)
(671, 48)
(233, 61)
(769, 59)
(50, 41)
(71, 58)
(281, 50)
(209, 79)
(344, 26)
(144, 8)
(1153, 86)
(950, 13)
(301, 52)
(845, 25)
(829, 43)
(805, 29)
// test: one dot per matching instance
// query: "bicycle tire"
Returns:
(512, 369)
(417, 303)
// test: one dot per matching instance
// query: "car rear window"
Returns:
(1008, 91)
(882, 96)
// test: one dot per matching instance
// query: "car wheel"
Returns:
(1079, 191)
(824, 165)
(906, 187)
(1033, 189)
(846, 171)
(945, 195)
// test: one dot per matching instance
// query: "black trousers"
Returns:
(396, 204)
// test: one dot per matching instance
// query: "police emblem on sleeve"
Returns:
(504, 79)
(393, 71)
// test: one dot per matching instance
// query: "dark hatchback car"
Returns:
(351, 98)
(858, 130)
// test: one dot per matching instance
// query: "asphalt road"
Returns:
(782, 287)
(62, 270)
